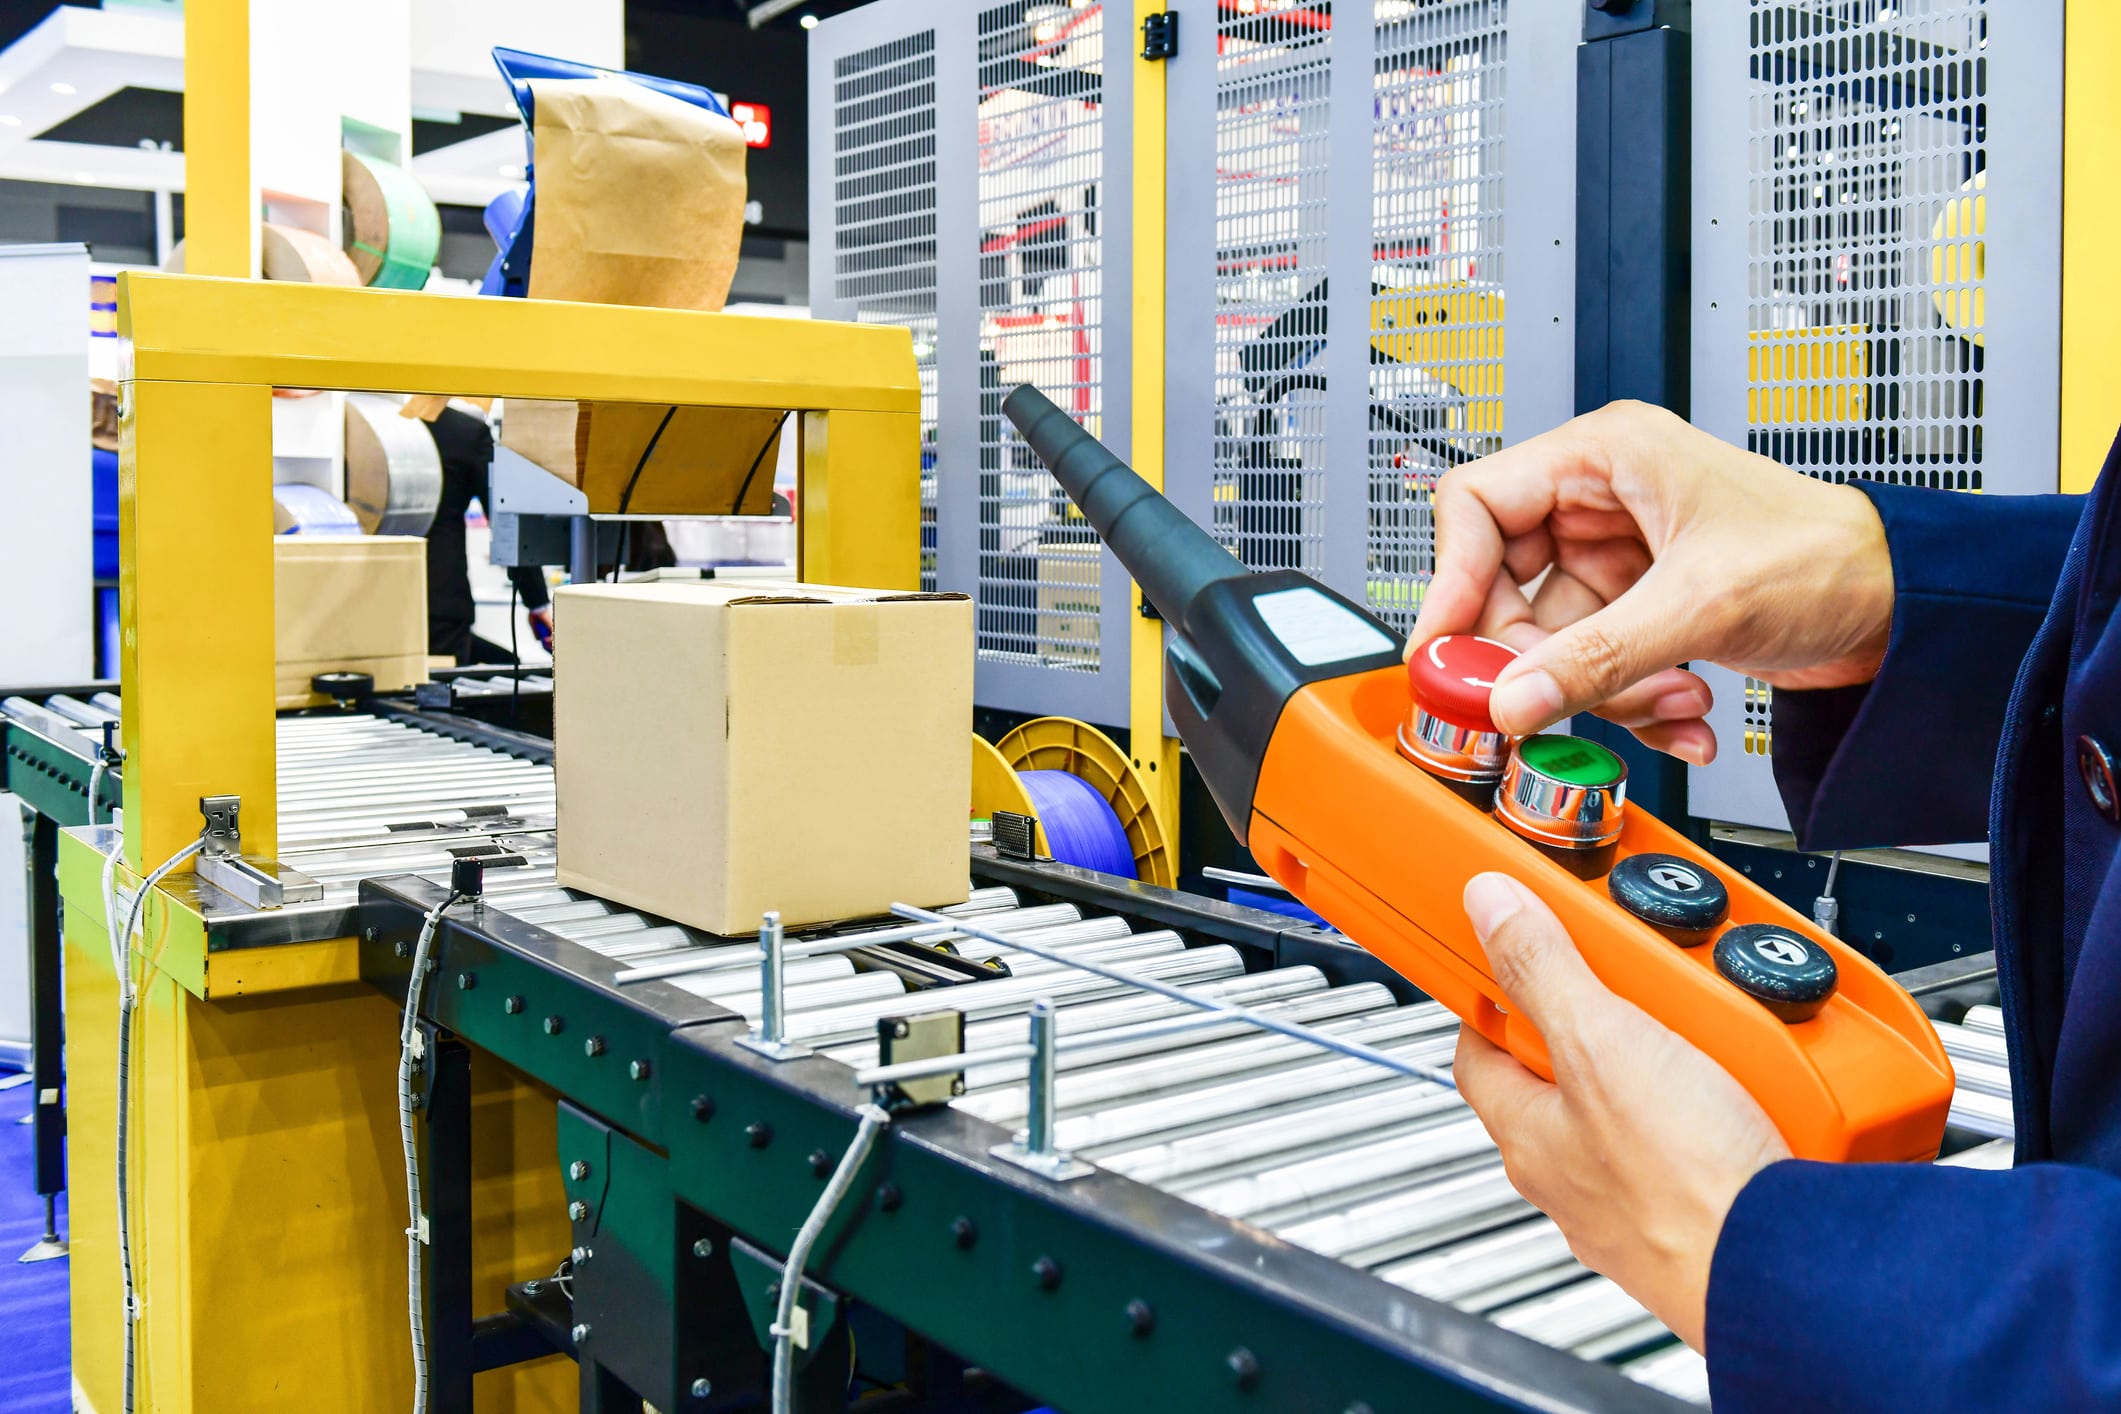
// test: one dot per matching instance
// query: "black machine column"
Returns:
(1634, 265)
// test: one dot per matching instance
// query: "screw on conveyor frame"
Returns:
(639, 1069)
(964, 1232)
(577, 1210)
(580, 1334)
(513, 1006)
(703, 1248)
(701, 1388)
(594, 1046)
(758, 1133)
(466, 981)
(820, 1163)
(1245, 1366)
(1047, 1273)
(554, 1025)
(578, 1170)
(702, 1108)
(888, 1197)
(1141, 1317)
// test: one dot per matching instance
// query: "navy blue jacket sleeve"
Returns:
(1909, 1287)
(1908, 758)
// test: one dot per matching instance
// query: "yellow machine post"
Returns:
(2091, 214)
(220, 214)
(264, 1080)
(1155, 755)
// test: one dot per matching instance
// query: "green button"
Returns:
(1572, 760)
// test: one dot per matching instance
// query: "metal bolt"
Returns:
(594, 1046)
(964, 1232)
(1911, 918)
(511, 1005)
(900, 1030)
(701, 1389)
(759, 1133)
(577, 1210)
(1048, 1273)
(554, 1025)
(1141, 1318)
(580, 1255)
(533, 1287)
(578, 1170)
(820, 1163)
(402, 948)
(580, 1333)
(637, 1069)
(432, 964)
(1245, 1365)
(466, 981)
(888, 1197)
(702, 1108)
(368, 935)
(704, 1248)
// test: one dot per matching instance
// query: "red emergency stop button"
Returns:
(1448, 732)
(1453, 675)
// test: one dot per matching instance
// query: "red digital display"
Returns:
(756, 119)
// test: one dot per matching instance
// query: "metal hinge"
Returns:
(1160, 35)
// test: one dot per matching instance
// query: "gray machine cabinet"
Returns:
(1369, 278)
(1850, 161)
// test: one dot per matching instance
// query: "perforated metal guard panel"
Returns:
(1273, 87)
(1020, 204)
(1436, 390)
(883, 217)
(1875, 201)
(1042, 322)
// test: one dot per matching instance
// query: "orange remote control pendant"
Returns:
(1374, 789)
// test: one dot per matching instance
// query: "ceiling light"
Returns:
(9, 120)
(85, 178)
(808, 22)
(62, 88)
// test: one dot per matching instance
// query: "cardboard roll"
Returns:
(393, 231)
(1060, 744)
(290, 253)
(393, 472)
(299, 508)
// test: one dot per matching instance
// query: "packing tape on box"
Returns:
(396, 230)
(299, 508)
(393, 471)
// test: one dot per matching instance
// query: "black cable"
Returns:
(515, 683)
(737, 509)
(626, 496)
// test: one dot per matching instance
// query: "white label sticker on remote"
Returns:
(1317, 629)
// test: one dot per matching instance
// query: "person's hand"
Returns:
(541, 625)
(1658, 545)
(1640, 1145)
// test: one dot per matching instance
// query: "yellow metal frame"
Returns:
(2091, 216)
(1155, 755)
(266, 1204)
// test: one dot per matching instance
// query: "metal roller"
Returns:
(1575, 1314)
(1412, 1218)
(1217, 1151)
(1461, 1271)
(1304, 1189)
(1677, 1370)
(1988, 1019)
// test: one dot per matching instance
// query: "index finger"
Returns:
(1478, 509)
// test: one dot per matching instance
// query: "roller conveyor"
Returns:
(1389, 1175)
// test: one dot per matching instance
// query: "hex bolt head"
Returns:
(580, 1334)
(1048, 1273)
(820, 1163)
(512, 1005)
(579, 1255)
(533, 1287)
(964, 1232)
(1141, 1317)
(466, 981)
(758, 1133)
(888, 1197)
(577, 1210)
(639, 1069)
(368, 935)
(593, 1046)
(401, 948)
(704, 1248)
(900, 1030)
(578, 1170)
(554, 1025)
(701, 1389)
(1245, 1366)
(702, 1108)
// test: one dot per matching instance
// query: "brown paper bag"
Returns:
(705, 461)
(640, 197)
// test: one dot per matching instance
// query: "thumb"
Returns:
(1533, 959)
(1581, 665)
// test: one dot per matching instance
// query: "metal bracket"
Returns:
(1034, 1148)
(1160, 35)
(769, 1037)
(922, 1037)
(256, 883)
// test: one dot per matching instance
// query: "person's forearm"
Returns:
(529, 581)
(1973, 576)
(1867, 1288)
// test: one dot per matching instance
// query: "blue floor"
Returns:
(33, 1314)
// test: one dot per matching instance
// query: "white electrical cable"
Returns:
(409, 1056)
(874, 1119)
(95, 787)
(121, 962)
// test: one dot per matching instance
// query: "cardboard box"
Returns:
(725, 748)
(348, 603)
